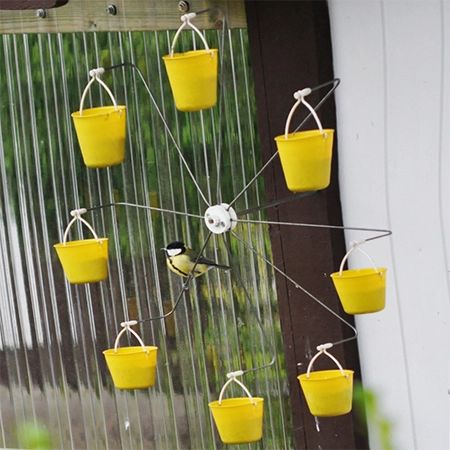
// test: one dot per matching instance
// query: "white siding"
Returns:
(393, 110)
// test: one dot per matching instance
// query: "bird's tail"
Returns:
(221, 266)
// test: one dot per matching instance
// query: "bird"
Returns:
(183, 260)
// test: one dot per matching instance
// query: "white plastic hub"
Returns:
(220, 218)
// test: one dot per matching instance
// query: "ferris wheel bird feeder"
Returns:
(132, 367)
(192, 75)
(327, 392)
(239, 420)
(361, 291)
(83, 261)
(101, 131)
(306, 155)
(306, 161)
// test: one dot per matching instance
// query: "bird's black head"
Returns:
(175, 248)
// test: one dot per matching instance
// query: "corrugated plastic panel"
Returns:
(52, 333)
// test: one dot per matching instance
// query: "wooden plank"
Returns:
(132, 15)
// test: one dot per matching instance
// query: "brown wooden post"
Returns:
(290, 49)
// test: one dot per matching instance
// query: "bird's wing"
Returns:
(203, 260)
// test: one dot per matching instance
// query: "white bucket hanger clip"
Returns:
(127, 327)
(186, 19)
(232, 377)
(322, 350)
(95, 76)
(354, 245)
(76, 214)
(300, 97)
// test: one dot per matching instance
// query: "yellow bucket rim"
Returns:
(322, 375)
(98, 111)
(299, 135)
(133, 350)
(236, 402)
(190, 54)
(358, 273)
(80, 243)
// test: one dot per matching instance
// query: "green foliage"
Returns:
(34, 436)
(368, 410)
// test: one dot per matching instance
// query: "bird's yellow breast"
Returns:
(183, 265)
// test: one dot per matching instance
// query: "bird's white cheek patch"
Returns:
(173, 252)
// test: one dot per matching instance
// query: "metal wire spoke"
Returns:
(249, 246)
(253, 310)
(153, 208)
(177, 301)
(185, 286)
(166, 125)
(276, 203)
(385, 233)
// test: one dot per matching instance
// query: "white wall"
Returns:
(393, 110)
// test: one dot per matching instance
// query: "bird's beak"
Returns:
(163, 248)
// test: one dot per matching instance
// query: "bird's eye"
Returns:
(174, 251)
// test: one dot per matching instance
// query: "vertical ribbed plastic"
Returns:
(52, 333)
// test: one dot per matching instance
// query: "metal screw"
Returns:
(111, 10)
(183, 6)
(41, 13)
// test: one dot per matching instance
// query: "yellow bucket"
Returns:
(306, 159)
(84, 261)
(361, 291)
(101, 135)
(192, 75)
(238, 420)
(101, 131)
(132, 367)
(327, 392)
(193, 79)
(306, 155)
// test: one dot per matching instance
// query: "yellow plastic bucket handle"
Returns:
(322, 349)
(76, 213)
(232, 377)
(94, 73)
(355, 245)
(300, 97)
(186, 19)
(127, 327)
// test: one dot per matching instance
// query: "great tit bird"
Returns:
(181, 259)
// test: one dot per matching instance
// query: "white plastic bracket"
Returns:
(187, 17)
(96, 72)
(232, 377)
(220, 218)
(300, 97)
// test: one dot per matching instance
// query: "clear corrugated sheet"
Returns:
(52, 334)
